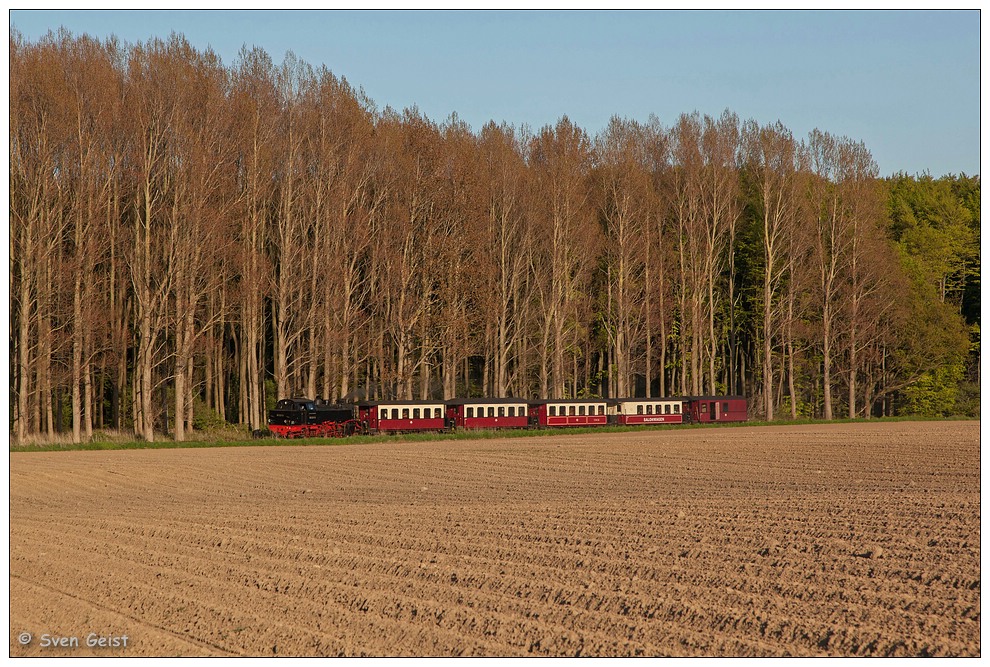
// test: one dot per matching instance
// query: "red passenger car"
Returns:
(704, 409)
(569, 412)
(401, 416)
(626, 411)
(487, 413)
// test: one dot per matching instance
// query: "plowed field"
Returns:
(858, 539)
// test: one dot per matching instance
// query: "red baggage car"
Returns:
(705, 409)
(569, 412)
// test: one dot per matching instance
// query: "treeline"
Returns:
(189, 238)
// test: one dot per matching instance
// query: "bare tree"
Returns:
(771, 158)
(404, 234)
(202, 210)
(291, 293)
(660, 260)
(865, 268)
(154, 71)
(692, 239)
(94, 92)
(342, 203)
(828, 245)
(720, 143)
(503, 256)
(255, 107)
(565, 242)
(625, 202)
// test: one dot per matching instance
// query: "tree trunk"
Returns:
(24, 333)
(852, 369)
(87, 375)
(253, 378)
(190, 392)
(240, 359)
(767, 348)
(220, 364)
(827, 362)
(180, 397)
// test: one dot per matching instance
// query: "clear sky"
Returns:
(907, 83)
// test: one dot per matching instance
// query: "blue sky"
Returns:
(907, 83)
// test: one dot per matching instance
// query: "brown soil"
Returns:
(859, 539)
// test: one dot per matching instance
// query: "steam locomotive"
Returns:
(304, 417)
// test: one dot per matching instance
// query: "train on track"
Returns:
(305, 417)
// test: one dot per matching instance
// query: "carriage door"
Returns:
(713, 410)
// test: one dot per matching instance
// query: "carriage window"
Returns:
(395, 413)
(491, 411)
(553, 410)
(639, 409)
(601, 409)
(405, 413)
(384, 414)
(512, 411)
(570, 410)
(415, 413)
(677, 408)
(725, 407)
(437, 413)
(666, 409)
(501, 411)
(704, 407)
(470, 413)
